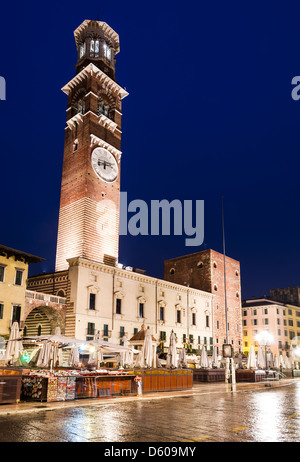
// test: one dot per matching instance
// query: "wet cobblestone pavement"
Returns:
(247, 415)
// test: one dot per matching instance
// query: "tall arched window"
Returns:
(81, 107)
(39, 329)
(94, 48)
(81, 50)
(106, 51)
(105, 109)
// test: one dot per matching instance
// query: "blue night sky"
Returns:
(209, 114)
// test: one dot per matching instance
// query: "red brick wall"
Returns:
(199, 271)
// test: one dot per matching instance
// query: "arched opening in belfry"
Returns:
(42, 320)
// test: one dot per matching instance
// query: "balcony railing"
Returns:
(45, 297)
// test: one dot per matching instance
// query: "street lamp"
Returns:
(265, 339)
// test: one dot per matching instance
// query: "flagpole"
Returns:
(227, 360)
(224, 257)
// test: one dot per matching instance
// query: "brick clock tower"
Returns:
(90, 188)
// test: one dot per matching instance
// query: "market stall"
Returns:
(60, 385)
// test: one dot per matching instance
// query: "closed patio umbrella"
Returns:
(74, 357)
(14, 345)
(276, 362)
(251, 364)
(281, 362)
(148, 349)
(204, 358)
(127, 356)
(261, 361)
(172, 360)
(182, 358)
(287, 363)
(214, 361)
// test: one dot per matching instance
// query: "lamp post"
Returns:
(265, 339)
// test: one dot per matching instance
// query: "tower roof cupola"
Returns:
(96, 43)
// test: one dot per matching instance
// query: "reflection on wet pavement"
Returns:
(270, 415)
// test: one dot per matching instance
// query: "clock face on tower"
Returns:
(104, 165)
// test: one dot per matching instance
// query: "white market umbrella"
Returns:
(292, 356)
(276, 362)
(251, 364)
(261, 361)
(270, 360)
(214, 361)
(172, 361)
(148, 349)
(126, 356)
(14, 345)
(287, 363)
(74, 357)
(204, 358)
(182, 358)
(281, 362)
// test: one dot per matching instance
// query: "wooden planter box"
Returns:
(105, 386)
(209, 375)
(165, 379)
(10, 385)
(247, 375)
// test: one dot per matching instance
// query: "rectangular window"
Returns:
(141, 310)
(205, 340)
(292, 334)
(266, 311)
(266, 321)
(279, 332)
(191, 339)
(161, 313)
(290, 312)
(179, 316)
(1, 310)
(105, 330)
(91, 328)
(244, 312)
(118, 305)
(19, 277)
(280, 344)
(16, 314)
(207, 321)
(244, 323)
(162, 335)
(184, 338)
(278, 321)
(92, 305)
(194, 319)
(2, 268)
(198, 339)
(135, 330)
(218, 325)
(291, 322)
(122, 331)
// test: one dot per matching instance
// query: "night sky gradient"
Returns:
(209, 114)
